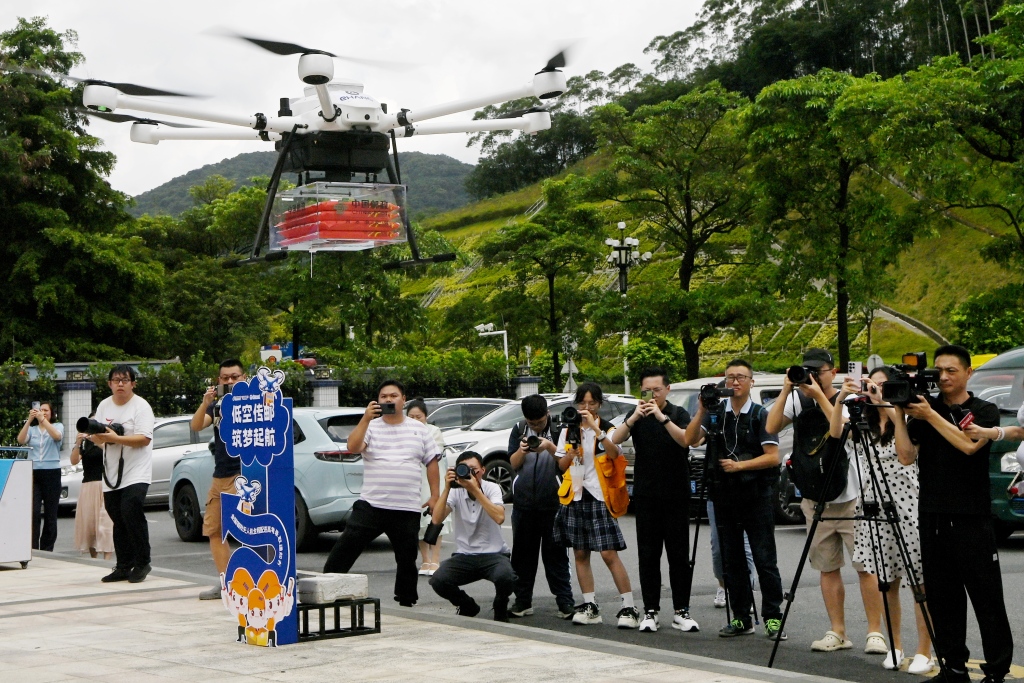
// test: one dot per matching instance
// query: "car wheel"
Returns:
(499, 471)
(305, 532)
(188, 521)
(785, 512)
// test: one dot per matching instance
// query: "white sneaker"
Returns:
(891, 664)
(650, 621)
(628, 617)
(921, 664)
(682, 621)
(586, 614)
(720, 597)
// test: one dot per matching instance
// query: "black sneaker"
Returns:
(500, 610)
(520, 610)
(119, 574)
(773, 629)
(139, 574)
(586, 614)
(989, 679)
(628, 617)
(949, 676)
(470, 609)
(737, 627)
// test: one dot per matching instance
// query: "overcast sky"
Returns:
(460, 48)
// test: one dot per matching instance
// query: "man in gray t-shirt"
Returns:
(480, 551)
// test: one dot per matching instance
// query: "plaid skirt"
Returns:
(586, 524)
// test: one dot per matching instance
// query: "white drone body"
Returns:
(327, 106)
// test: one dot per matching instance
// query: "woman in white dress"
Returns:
(905, 492)
(430, 554)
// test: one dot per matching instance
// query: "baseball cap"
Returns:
(816, 358)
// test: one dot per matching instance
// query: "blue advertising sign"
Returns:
(259, 584)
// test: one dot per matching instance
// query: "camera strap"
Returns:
(120, 468)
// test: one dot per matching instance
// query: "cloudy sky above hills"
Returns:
(459, 48)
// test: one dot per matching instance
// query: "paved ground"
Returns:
(807, 620)
(59, 623)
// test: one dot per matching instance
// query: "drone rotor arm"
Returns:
(528, 123)
(152, 133)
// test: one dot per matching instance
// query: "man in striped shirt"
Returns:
(394, 449)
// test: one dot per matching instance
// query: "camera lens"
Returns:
(462, 471)
(533, 443)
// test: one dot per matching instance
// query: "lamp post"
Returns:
(487, 330)
(624, 257)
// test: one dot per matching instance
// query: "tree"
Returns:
(991, 322)
(73, 287)
(562, 239)
(821, 202)
(679, 170)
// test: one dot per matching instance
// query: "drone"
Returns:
(329, 135)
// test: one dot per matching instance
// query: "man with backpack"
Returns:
(808, 406)
(743, 462)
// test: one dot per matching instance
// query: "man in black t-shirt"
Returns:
(661, 497)
(958, 549)
(225, 468)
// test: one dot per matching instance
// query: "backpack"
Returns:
(814, 452)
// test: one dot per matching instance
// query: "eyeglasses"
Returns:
(231, 378)
(737, 378)
(119, 382)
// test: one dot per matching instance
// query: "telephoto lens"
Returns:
(798, 374)
(87, 425)
(533, 443)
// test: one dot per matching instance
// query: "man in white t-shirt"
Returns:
(837, 529)
(127, 472)
(480, 551)
(395, 450)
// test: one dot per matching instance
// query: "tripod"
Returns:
(879, 487)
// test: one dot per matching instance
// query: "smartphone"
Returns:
(220, 391)
(387, 408)
(646, 394)
(35, 405)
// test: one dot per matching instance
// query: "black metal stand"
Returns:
(357, 622)
(858, 426)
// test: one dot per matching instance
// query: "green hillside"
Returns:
(436, 182)
(932, 278)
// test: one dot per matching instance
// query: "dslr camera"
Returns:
(462, 471)
(87, 425)
(711, 395)
(801, 374)
(910, 379)
(532, 443)
(572, 420)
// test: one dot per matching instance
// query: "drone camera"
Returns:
(316, 69)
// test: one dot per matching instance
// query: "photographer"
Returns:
(877, 539)
(533, 456)
(592, 496)
(480, 552)
(395, 448)
(661, 497)
(744, 470)
(958, 548)
(129, 436)
(94, 532)
(44, 438)
(225, 468)
(809, 409)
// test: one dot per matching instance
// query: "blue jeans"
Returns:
(749, 509)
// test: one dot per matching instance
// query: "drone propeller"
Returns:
(556, 62)
(126, 88)
(519, 112)
(124, 118)
(282, 48)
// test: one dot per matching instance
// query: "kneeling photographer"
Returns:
(958, 548)
(480, 552)
(743, 463)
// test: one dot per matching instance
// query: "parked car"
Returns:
(455, 413)
(328, 477)
(488, 436)
(172, 439)
(1001, 381)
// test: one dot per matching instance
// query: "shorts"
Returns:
(826, 552)
(211, 518)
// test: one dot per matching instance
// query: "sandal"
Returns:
(424, 569)
(875, 644)
(434, 566)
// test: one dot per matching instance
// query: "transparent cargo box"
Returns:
(337, 217)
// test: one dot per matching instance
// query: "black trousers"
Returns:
(663, 522)
(126, 507)
(959, 558)
(749, 508)
(459, 570)
(45, 499)
(366, 523)
(533, 540)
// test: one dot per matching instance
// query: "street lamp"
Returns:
(624, 256)
(487, 330)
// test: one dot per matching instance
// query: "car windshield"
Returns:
(1002, 386)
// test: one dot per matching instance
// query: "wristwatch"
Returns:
(602, 435)
(666, 420)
